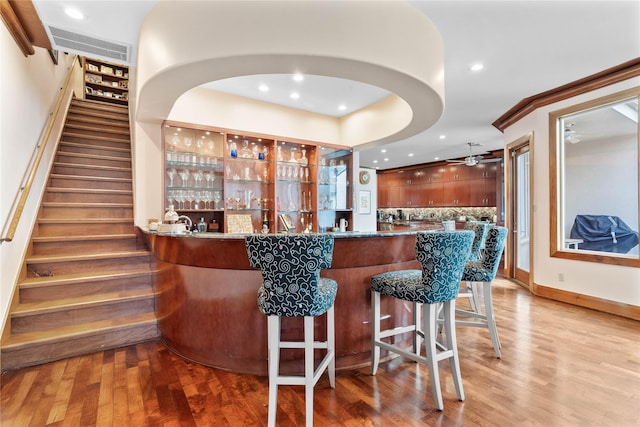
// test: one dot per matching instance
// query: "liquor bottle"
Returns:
(265, 223)
(202, 226)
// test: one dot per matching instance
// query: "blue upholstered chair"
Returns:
(292, 287)
(483, 272)
(443, 255)
(480, 229)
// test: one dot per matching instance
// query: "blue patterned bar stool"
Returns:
(292, 287)
(484, 271)
(480, 229)
(442, 255)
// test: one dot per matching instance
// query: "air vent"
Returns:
(69, 41)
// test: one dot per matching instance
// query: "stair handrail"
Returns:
(17, 207)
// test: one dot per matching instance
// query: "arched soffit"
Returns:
(387, 44)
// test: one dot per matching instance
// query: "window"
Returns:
(594, 180)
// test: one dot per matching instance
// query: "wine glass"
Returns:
(188, 142)
(184, 176)
(190, 197)
(179, 197)
(217, 196)
(172, 174)
(198, 176)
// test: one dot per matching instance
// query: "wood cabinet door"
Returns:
(456, 173)
(456, 193)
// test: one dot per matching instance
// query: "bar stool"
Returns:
(442, 255)
(292, 287)
(480, 229)
(483, 272)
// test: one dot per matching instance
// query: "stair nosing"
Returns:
(95, 138)
(91, 147)
(83, 237)
(101, 191)
(93, 156)
(89, 178)
(41, 259)
(92, 129)
(85, 220)
(86, 205)
(70, 279)
(75, 303)
(71, 332)
(83, 166)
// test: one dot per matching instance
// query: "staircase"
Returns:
(87, 280)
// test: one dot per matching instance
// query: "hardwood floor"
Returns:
(562, 366)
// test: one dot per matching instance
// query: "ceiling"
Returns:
(526, 47)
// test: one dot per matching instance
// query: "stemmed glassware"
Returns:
(210, 178)
(188, 142)
(190, 197)
(172, 174)
(198, 176)
(179, 197)
(184, 176)
(217, 196)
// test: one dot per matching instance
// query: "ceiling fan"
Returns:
(472, 160)
(570, 135)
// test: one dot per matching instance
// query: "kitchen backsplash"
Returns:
(439, 214)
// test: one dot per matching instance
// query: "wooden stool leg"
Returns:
(429, 329)
(375, 331)
(308, 368)
(273, 333)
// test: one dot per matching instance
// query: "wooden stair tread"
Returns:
(32, 308)
(88, 190)
(110, 116)
(82, 118)
(83, 237)
(91, 178)
(66, 279)
(124, 132)
(93, 156)
(81, 221)
(99, 105)
(93, 167)
(96, 138)
(19, 341)
(103, 148)
(38, 259)
(86, 205)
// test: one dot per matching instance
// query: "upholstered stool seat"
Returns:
(442, 255)
(292, 287)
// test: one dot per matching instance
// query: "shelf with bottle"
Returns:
(105, 81)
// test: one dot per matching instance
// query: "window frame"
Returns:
(557, 249)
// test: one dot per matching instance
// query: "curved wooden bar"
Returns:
(207, 299)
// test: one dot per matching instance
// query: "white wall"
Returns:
(29, 87)
(610, 282)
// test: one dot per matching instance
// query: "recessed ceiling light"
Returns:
(477, 67)
(375, 161)
(179, 129)
(410, 154)
(386, 159)
(436, 158)
(443, 136)
(384, 150)
(263, 88)
(208, 133)
(74, 13)
(342, 107)
(298, 77)
(294, 95)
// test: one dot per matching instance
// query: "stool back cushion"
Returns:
(290, 266)
(485, 270)
(480, 229)
(443, 256)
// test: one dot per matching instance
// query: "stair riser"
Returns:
(91, 130)
(89, 183)
(75, 119)
(84, 288)
(78, 105)
(83, 246)
(76, 197)
(71, 229)
(82, 159)
(71, 316)
(48, 212)
(62, 349)
(111, 142)
(87, 266)
(92, 150)
(74, 170)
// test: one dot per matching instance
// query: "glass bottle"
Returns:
(171, 216)
(202, 226)
(303, 160)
